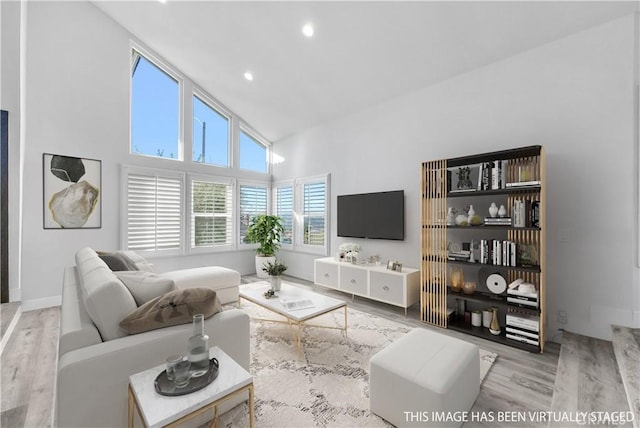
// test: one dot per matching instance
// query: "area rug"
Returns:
(328, 386)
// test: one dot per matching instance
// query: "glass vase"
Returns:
(198, 348)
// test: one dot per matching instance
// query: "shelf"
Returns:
(483, 332)
(509, 191)
(535, 269)
(520, 152)
(491, 299)
(491, 227)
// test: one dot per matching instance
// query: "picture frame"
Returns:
(71, 192)
(390, 264)
(394, 265)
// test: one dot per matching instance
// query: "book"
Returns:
(524, 303)
(522, 339)
(526, 322)
(523, 183)
(462, 190)
(296, 304)
(522, 332)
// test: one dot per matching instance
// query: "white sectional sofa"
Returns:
(96, 357)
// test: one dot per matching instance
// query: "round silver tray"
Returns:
(165, 386)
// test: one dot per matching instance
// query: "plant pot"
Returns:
(276, 282)
(260, 262)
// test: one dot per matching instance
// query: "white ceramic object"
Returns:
(502, 212)
(493, 209)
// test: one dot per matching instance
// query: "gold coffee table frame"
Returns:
(294, 321)
(133, 403)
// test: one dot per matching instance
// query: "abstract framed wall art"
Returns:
(71, 192)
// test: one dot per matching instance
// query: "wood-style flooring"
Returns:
(517, 382)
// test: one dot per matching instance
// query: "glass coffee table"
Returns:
(297, 305)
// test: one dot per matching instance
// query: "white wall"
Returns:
(575, 96)
(77, 104)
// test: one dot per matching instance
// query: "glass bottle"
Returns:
(199, 348)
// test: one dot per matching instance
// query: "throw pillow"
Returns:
(140, 262)
(144, 285)
(174, 308)
(117, 261)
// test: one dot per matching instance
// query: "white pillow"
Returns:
(145, 286)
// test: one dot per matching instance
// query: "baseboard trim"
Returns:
(47, 302)
(9, 332)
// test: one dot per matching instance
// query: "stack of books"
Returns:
(462, 255)
(492, 175)
(526, 213)
(497, 221)
(498, 252)
(523, 328)
(525, 300)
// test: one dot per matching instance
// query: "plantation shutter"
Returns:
(211, 214)
(314, 202)
(284, 210)
(253, 201)
(154, 212)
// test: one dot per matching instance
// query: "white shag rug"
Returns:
(328, 386)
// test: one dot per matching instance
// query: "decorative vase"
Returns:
(502, 212)
(462, 220)
(198, 348)
(451, 217)
(493, 209)
(276, 282)
(476, 318)
(494, 328)
(457, 279)
(469, 287)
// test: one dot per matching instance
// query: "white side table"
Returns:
(157, 410)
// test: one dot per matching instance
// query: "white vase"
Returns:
(471, 213)
(451, 217)
(493, 209)
(261, 261)
(502, 212)
(276, 282)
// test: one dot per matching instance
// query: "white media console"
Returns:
(373, 282)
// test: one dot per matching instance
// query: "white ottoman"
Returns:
(424, 373)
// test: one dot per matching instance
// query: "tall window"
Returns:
(253, 154)
(211, 214)
(253, 201)
(155, 110)
(153, 211)
(210, 135)
(283, 207)
(314, 213)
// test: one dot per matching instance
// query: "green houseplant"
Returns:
(275, 270)
(266, 231)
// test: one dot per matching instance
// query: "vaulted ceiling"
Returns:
(362, 53)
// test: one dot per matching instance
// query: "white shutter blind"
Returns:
(314, 202)
(284, 210)
(212, 214)
(154, 212)
(253, 201)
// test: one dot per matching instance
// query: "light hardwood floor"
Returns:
(518, 380)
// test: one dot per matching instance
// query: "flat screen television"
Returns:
(372, 215)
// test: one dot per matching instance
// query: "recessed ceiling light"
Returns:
(248, 76)
(162, 1)
(307, 30)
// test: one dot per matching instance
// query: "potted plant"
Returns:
(266, 231)
(275, 270)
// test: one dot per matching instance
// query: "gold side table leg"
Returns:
(345, 322)
(251, 409)
(130, 408)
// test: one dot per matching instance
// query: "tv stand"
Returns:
(371, 281)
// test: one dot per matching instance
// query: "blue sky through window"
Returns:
(253, 155)
(215, 128)
(155, 123)
(155, 104)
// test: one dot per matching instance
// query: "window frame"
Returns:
(188, 221)
(274, 204)
(126, 171)
(299, 215)
(222, 111)
(243, 127)
(252, 183)
(138, 51)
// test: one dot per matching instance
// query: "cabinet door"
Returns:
(326, 274)
(387, 287)
(353, 280)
